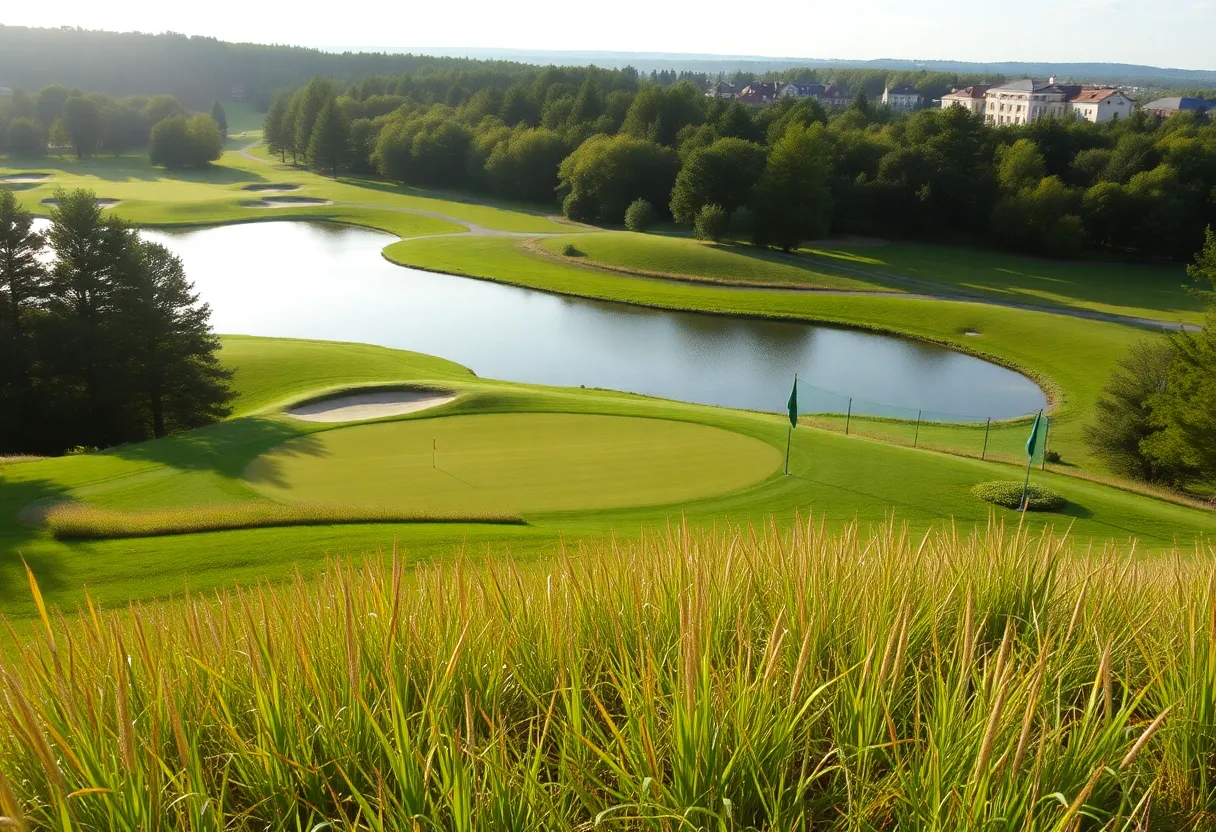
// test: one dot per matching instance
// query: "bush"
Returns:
(568, 250)
(1008, 494)
(639, 216)
(711, 223)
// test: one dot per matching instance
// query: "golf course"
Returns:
(500, 465)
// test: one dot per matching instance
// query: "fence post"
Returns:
(848, 417)
(916, 436)
(987, 427)
(1046, 433)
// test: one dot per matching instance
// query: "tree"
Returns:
(82, 121)
(51, 100)
(175, 377)
(639, 216)
(123, 128)
(724, 173)
(712, 223)
(525, 166)
(792, 202)
(25, 138)
(328, 146)
(275, 131)
(24, 289)
(606, 173)
(160, 107)
(1122, 418)
(1185, 410)
(1019, 165)
(180, 142)
(220, 118)
(309, 101)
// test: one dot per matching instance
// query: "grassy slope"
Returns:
(1072, 357)
(689, 258)
(1144, 291)
(836, 477)
(216, 194)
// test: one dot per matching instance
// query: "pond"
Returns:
(312, 280)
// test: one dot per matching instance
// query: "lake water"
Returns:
(312, 280)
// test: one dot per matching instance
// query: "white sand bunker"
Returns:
(360, 406)
(287, 202)
(101, 203)
(273, 189)
(24, 178)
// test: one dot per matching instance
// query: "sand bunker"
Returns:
(101, 203)
(274, 189)
(287, 202)
(24, 178)
(360, 406)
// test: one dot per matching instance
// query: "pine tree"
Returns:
(23, 289)
(175, 379)
(274, 129)
(328, 145)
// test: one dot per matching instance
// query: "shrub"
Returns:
(639, 216)
(1008, 494)
(568, 250)
(711, 223)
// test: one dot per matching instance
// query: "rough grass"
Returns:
(76, 521)
(745, 680)
(1008, 494)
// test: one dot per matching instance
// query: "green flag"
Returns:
(793, 404)
(1033, 441)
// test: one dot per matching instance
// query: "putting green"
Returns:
(520, 462)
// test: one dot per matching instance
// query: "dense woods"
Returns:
(594, 141)
(104, 338)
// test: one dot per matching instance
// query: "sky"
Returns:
(1169, 33)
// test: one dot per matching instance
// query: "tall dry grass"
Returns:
(746, 679)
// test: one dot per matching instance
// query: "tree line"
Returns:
(594, 141)
(104, 339)
(1156, 419)
(31, 124)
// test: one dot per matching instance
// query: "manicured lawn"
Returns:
(1144, 291)
(688, 258)
(835, 478)
(516, 462)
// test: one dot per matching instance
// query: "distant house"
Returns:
(901, 98)
(758, 94)
(802, 91)
(1102, 104)
(1027, 100)
(720, 90)
(1166, 107)
(833, 96)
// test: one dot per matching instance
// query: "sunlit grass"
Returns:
(747, 679)
(79, 521)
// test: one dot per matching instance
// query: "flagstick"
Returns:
(789, 434)
(1025, 485)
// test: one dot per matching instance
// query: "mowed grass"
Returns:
(218, 194)
(1146, 291)
(514, 462)
(687, 258)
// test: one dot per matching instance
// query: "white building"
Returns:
(1021, 102)
(901, 98)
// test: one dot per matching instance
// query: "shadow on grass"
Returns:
(448, 196)
(132, 168)
(226, 448)
(16, 535)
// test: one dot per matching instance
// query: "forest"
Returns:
(595, 141)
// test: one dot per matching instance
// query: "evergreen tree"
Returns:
(310, 100)
(220, 118)
(174, 379)
(23, 289)
(274, 128)
(330, 136)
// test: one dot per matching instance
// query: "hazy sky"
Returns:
(1172, 33)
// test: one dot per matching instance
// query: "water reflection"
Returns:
(308, 280)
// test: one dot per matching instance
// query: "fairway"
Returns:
(534, 462)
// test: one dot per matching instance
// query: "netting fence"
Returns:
(998, 439)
